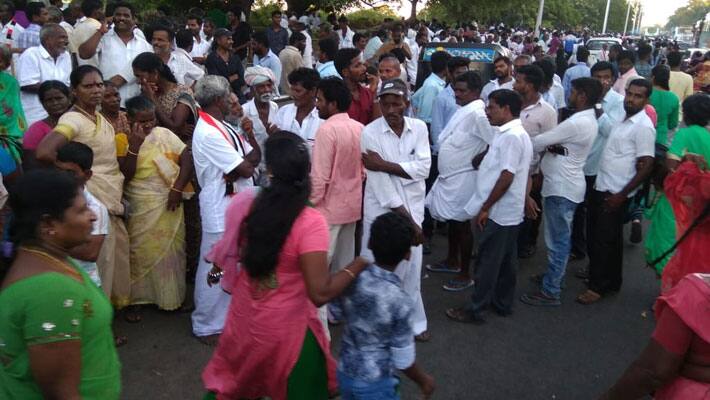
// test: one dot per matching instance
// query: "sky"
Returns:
(655, 11)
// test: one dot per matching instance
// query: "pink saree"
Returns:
(265, 328)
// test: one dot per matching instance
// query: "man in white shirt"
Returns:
(609, 113)
(116, 49)
(308, 51)
(537, 117)
(566, 148)
(503, 70)
(49, 61)
(467, 134)
(301, 116)
(85, 29)
(626, 163)
(345, 34)
(397, 157)
(200, 46)
(261, 109)
(223, 168)
(498, 205)
(11, 29)
(186, 72)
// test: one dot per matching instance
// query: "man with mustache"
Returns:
(49, 61)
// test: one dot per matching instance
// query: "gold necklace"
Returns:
(54, 261)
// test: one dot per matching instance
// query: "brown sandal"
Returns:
(423, 337)
(588, 297)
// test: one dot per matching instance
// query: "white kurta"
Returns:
(383, 192)
(466, 135)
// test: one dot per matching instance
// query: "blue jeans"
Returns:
(559, 213)
(356, 389)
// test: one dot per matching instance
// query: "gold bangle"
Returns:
(131, 153)
(349, 272)
(175, 190)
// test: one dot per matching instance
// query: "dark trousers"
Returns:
(428, 223)
(496, 266)
(579, 224)
(530, 228)
(606, 244)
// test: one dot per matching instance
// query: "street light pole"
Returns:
(606, 16)
(538, 22)
(626, 21)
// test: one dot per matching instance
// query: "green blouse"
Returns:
(52, 307)
(666, 104)
(692, 139)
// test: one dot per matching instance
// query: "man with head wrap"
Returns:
(261, 110)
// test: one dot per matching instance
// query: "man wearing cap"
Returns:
(261, 110)
(397, 158)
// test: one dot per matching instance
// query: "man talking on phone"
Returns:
(565, 148)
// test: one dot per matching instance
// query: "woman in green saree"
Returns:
(12, 118)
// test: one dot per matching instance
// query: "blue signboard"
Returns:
(475, 54)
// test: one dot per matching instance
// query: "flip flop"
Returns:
(588, 297)
(442, 267)
(455, 285)
(423, 337)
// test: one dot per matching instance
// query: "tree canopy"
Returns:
(690, 14)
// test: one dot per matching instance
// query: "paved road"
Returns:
(570, 352)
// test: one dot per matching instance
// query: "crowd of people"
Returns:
(142, 157)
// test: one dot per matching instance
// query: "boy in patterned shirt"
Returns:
(378, 337)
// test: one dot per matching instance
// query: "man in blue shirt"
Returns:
(277, 35)
(264, 57)
(423, 99)
(580, 70)
(326, 58)
(378, 337)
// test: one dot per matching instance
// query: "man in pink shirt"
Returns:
(337, 171)
(625, 62)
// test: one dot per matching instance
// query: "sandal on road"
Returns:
(457, 285)
(588, 297)
(464, 316)
(423, 337)
(442, 267)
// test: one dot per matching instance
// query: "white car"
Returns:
(596, 45)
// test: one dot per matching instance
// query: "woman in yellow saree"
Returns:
(157, 167)
(85, 124)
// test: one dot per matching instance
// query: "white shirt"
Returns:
(308, 51)
(613, 107)
(564, 175)
(494, 85)
(101, 228)
(383, 191)
(411, 65)
(214, 156)
(185, 71)
(347, 40)
(251, 112)
(286, 120)
(467, 133)
(84, 30)
(115, 58)
(8, 37)
(632, 138)
(201, 48)
(35, 65)
(510, 150)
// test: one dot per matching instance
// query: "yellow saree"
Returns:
(157, 235)
(106, 184)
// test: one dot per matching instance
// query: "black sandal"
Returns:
(463, 315)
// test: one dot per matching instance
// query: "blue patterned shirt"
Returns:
(378, 337)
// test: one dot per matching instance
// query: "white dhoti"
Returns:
(211, 303)
(450, 194)
(341, 252)
(410, 273)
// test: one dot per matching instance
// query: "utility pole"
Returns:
(626, 21)
(538, 22)
(606, 16)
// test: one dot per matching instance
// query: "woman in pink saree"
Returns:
(273, 256)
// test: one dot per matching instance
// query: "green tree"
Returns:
(690, 14)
